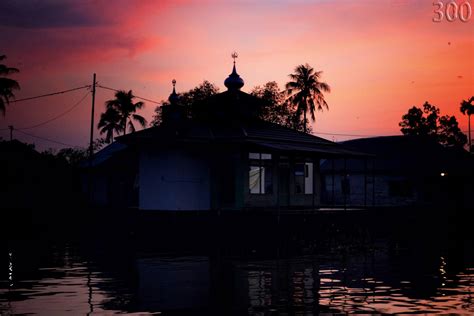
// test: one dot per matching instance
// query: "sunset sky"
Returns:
(379, 57)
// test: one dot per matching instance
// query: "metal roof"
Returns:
(104, 154)
(408, 154)
(324, 150)
(259, 133)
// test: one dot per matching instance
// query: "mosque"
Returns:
(223, 158)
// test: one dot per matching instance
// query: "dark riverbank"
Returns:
(26, 223)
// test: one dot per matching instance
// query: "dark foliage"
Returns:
(467, 108)
(34, 180)
(305, 92)
(7, 85)
(74, 156)
(188, 100)
(427, 122)
(276, 110)
(120, 114)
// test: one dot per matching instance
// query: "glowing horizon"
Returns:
(379, 58)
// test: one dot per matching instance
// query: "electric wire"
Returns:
(49, 94)
(136, 96)
(57, 116)
(46, 139)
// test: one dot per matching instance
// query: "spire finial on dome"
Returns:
(173, 98)
(234, 82)
(234, 56)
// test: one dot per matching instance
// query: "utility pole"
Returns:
(91, 145)
(11, 132)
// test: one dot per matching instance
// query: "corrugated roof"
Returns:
(323, 149)
(266, 130)
(259, 133)
(104, 154)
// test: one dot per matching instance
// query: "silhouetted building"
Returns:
(404, 171)
(222, 158)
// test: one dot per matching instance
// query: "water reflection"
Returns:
(300, 276)
(10, 269)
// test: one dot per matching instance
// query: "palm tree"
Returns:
(305, 92)
(120, 114)
(109, 124)
(467, 108)
(7, 85)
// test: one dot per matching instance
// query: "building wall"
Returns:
(173, 180)
(99, 190)
(275, 199)
(362, 192)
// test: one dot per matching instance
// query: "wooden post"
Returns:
(373, 182)
(344, 189)
(314, 182)
(365, 182)
(91, 142)
(332, 183)
(11, 132)
(277, 176)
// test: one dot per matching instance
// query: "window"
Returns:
(308, 181)
(304, 173)
(346, 185)
(299, 178)
(260, 173)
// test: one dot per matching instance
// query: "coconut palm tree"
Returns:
(109, 124)
(120, 114)
(305, 91)
(7, 85)
(467, 108)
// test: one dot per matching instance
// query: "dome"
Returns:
(173, 98)
(234, 82)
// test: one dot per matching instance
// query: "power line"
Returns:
(136, 96)
(59, 115)
(45, 139)
(337, 134)
(49, 94)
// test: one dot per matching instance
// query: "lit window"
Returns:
(299, 178)
(304, 178)
(260, 174)
(254, 156)
(308, 180)
(256, 173)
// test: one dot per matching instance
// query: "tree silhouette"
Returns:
(467, 108)
(120, 114)
(188, 100)
(449, 133)
(427, 122)
(306, 92)
(7, 85)
(110, 124)
(275, 109)
(420, 122)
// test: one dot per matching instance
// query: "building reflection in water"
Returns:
(62, 279)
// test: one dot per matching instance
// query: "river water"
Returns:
(297, 270)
